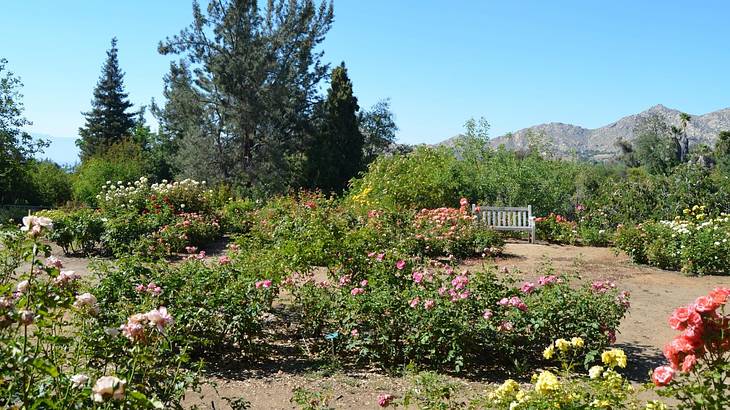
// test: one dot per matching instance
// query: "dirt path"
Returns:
(654, 294)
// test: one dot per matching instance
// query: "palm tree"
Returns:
(684, 119)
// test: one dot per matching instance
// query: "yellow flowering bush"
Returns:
(602, 388)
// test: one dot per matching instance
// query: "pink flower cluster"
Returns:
(384, 400)
(151, 289)
(514, 301)
(65, 278)
(704, 331)
(266, 283)
(156, 318)
(528, 287)
(547, 280)
(443, 223)
(602, 286)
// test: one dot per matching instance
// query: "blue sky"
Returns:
(517, 63)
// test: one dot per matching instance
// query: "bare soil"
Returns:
(270, 381)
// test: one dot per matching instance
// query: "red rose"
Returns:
(694, 319)
(662, 375)
(693, 334)
(705, 304)
(689, 362)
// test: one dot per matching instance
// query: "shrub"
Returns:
(236, 215)
(453, 231)
(556, 229)
(56, 352)
(695, 245)
(396, 311)
(51, 184)
(76, 230)
(219, 306)
(698, 357)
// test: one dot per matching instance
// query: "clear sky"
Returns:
(517, 63)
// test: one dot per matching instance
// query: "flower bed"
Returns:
(694, 244)
(422, 311)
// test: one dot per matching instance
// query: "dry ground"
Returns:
(654, 294)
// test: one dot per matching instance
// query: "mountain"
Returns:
(599, 142)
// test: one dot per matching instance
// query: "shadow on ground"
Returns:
(642, 360)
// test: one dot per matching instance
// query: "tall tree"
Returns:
(680, 134)
(109, 120)
(336, 154)
(16, 146)
(252, 81)
(378, 127)
(656, 146)
(722, 152)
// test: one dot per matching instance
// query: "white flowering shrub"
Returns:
(693, 243)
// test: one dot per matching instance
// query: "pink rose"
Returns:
(428, 304)
(487, 314)
(689, 362)
(357, 291)
(224, 260)
(417, 277)
(705, 304)
(662, 375)
(527, 287)
(364, 283)
(400, 264)
(263, 284)
(384, 400)
(159, 318)
(414, 302)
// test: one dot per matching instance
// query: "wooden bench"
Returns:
(506, 218)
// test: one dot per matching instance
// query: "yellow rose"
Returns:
(562, 344)
(577, 342)
(614, 357)
(546, 383)
(548, 352)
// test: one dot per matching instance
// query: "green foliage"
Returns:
(16, 146)
(556, 229)
(336, 153)
(722, 152)
(76, 230)
(108, 122)
(390, 312)
(218, 307)
(121, 162)
(51, 183)
(656, 148)
(378, 127)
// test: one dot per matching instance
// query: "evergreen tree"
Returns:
(108, 122)
(336, 154)
(242, 112)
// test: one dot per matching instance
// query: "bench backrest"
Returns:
(505, 216)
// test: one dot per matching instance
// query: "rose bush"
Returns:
(699, 357)
(55, 352)
(399, 310)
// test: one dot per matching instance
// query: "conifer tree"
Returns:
(336, 154)
(109, 121)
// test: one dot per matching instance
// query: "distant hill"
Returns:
(599, 142)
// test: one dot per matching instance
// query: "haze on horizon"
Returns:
(517, 65)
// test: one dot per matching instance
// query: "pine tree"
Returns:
(336, 154)
(108, 122)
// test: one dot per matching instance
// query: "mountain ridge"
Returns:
(599, 142)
